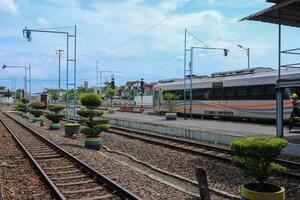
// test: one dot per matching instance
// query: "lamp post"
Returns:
(59, 52)
(27, 33)
(26, 79)
(142, 94)
(248, 53)
(190, 76)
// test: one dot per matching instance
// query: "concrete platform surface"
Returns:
(232, 128)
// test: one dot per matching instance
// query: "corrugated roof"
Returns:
(285, 13)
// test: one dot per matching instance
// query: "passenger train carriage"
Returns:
(247, 93)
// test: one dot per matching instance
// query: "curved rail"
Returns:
(112, 189)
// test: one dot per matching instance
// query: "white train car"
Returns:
(248, 93)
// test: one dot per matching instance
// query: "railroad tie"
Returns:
(64, 172)
(56, 168)
(48, 157)
(106, 196)
(70, 177)
(76, 183)
(99, 188)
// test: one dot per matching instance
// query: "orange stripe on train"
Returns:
(219, 106)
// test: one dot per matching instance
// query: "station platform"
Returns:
(216, 131)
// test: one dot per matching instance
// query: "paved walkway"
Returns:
(217, 126)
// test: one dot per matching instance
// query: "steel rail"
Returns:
(124, 193)
(42, 173)
(197, 144)
(194, 144)
(191, 143)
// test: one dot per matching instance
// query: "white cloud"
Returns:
(8, 7)
(211, 1)
(43, 22)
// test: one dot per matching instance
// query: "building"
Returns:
(133, 88)
(4, 92)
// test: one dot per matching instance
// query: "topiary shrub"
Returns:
(94, 126)
(257, 155)
(54, 118)
(37, 110)
(37, 105)
(90, 100)
(21, 107)
(56, 108)
(24, 101)
(54, 115)
(36, 113)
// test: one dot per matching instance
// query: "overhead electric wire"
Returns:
(197, 38)
(143, 32)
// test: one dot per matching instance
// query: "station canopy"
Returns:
(284, 12)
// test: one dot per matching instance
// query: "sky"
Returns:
(136, 38)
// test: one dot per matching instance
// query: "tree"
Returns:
(54, 94)
(257, 156)
(110, 92)
(170, 99)
(94, 126)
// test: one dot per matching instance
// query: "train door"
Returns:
(156, 100)
(44, 99)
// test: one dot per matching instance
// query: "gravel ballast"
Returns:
(134, 181)
(18, 179)
(222, 176)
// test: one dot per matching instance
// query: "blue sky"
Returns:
(155, 55)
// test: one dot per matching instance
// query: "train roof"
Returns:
(243, 77)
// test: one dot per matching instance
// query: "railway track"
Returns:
(197, 148)
(66, 176)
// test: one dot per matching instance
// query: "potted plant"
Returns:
(71, 129)
(257, 155)
(170, 99)
(22, 107)
(55, 116)
(94, 126)
(36, 110)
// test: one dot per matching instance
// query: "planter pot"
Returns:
(171, 116)
(92, 142)
(54, 126)
(272, 192)
(71, 129)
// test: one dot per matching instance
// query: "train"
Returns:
(245, 94)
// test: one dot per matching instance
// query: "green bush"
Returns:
(94, 126)
(24, 101)
(90, 100)
(87, 113)
(55, 118)
(37, 105)
(256, 155)
(21, 107)
(56, 108)
(36, 112)
(95, 131)
(170, 99)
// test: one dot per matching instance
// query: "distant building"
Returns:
(4, 92)
(135, 86)
(86, 84)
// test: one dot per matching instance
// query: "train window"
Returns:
(242, 91)
(229, 93)
(206, 94)
(270, 92)
(256, 91)
(218, 93)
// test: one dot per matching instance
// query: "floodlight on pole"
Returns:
(27, 33)
(26, 80)
(248, 53)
